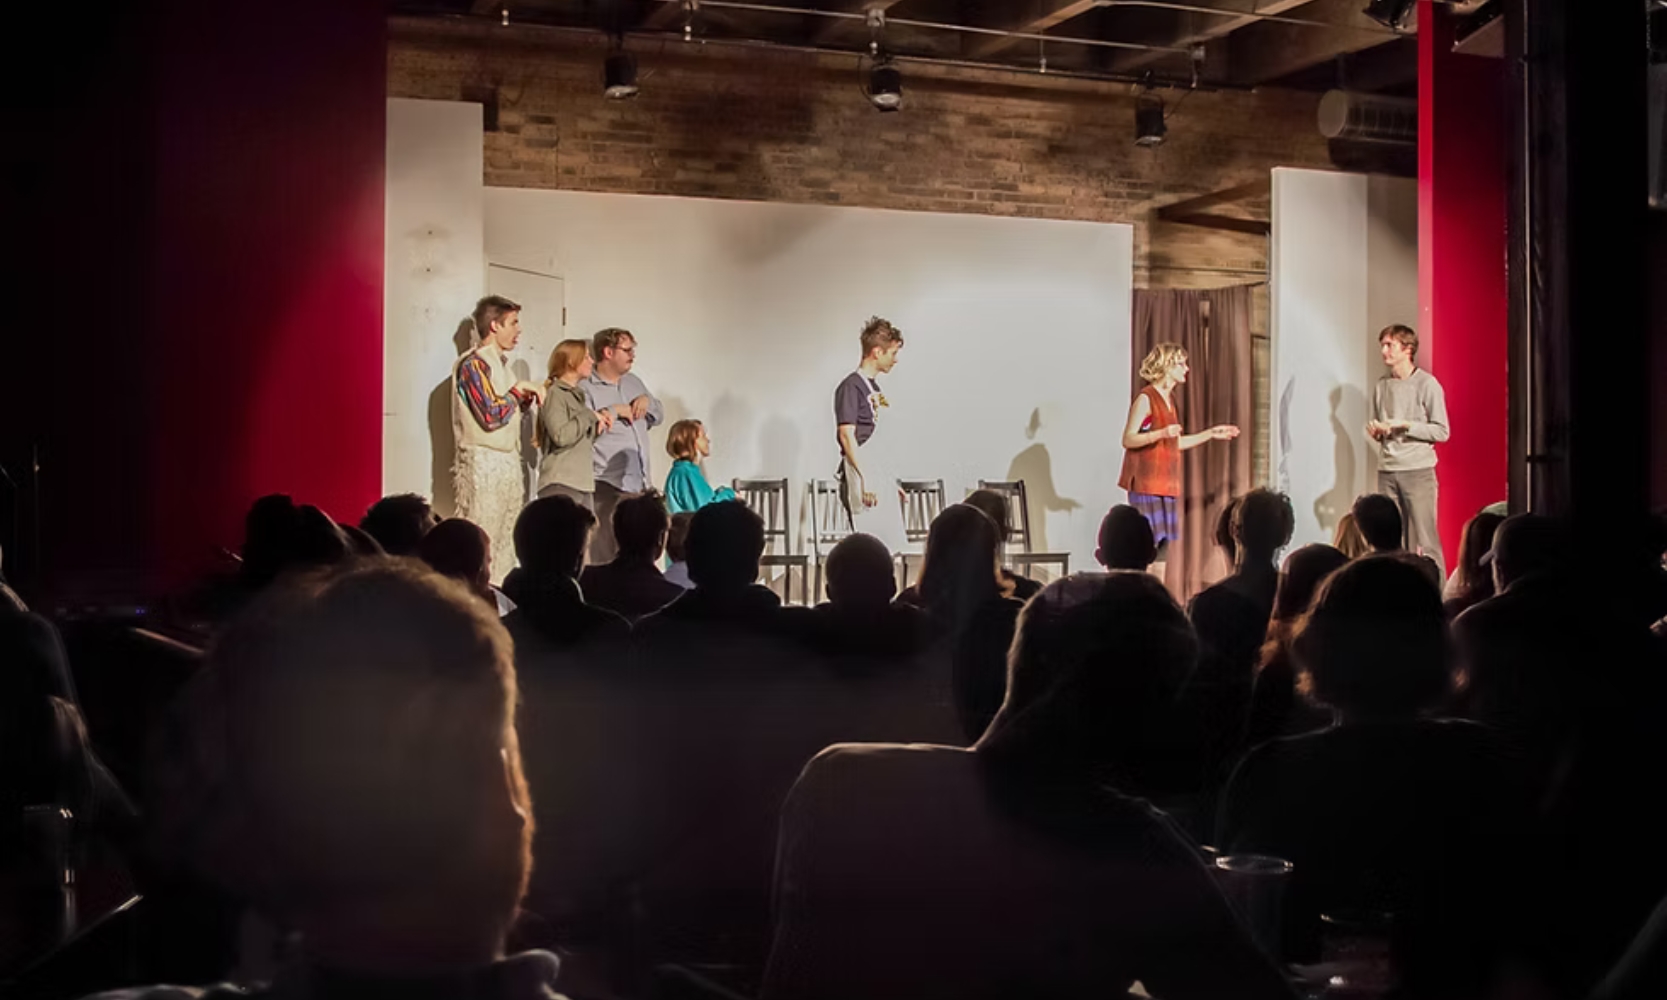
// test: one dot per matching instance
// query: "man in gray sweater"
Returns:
(1409, 418)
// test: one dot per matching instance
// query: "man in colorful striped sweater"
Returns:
(487, 475)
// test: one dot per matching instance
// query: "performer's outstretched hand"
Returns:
(869, 499)
(1223, 432)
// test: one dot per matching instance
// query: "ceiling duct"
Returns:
(1368, 117)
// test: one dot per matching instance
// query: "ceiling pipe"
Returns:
(1051, 71)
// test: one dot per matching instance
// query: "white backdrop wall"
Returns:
(1344, 266)
(1017, 334)
(436, 270)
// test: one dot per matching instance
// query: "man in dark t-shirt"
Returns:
(857, 405)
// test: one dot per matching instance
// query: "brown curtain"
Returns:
(1214, 327)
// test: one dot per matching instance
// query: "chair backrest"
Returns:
(1018, 510)
(768, 499)
(828, 521)
(923, 501)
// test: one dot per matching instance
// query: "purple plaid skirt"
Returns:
(1161, 512)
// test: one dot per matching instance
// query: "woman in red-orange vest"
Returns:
(1153, 442)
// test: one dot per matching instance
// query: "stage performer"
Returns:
(620, 457)
(489, 478)
(567, 428)
(1409, 418)
(872, 503)
(1152, 446)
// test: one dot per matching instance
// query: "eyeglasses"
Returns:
(632, 350)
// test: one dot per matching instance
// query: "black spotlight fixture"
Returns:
(1149, 128)
(885, 85)
(1390, 13)
(619, 75)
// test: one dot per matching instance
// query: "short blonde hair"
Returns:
(1160, 359)
(680, 440)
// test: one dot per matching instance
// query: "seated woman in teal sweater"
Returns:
(686, 485)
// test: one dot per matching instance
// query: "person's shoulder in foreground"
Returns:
(529, 975)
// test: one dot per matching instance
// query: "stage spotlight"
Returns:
(885, 86)
(1390, 13)
(1149, 128)
(619, 76)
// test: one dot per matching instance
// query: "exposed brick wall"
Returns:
(760, 125)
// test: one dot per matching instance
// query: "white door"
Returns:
(543, 302)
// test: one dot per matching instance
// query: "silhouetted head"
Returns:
(461, 550)
(551, 536)
(1304, 570)
(640, 526)
(359, 542)
(1223, 536)
(1126, 540)
(1096, 659)
(1475, 579)
(725, 544)
(996, 507)
(399, 522)
(677, 538)
(860, 573)
(1263, 523)
(1379, 521)
(1530, 545)
(1347, 539)
(961, 569)
(1374, 644)
(349, 763)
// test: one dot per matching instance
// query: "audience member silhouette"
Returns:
(1472, 582)
(1125, 540)
(1000, 511)
(460, 549)
(551, 538)
(1223, 535)
(1231, 619)
(1017, 867)
(1347, 539)
(859, 623)
(725, 547)
(1387, 811)
(398, 522)
(1575, 685)
(1380, 524)
(632, 585)
(1275, 707)
(677, 555)
(360, 544)
(961, 589)
(392, 828)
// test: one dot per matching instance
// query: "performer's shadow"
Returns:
(1034, 467)
(442, 441)
(1348, 418)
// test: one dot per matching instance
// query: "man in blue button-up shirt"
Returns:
(622, 450)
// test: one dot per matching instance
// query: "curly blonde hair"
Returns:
(1160, 359)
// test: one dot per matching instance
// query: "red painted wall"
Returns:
(1462, 192)
(266, 322)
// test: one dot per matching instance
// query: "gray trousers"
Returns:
(580, 497)
(1415, 491)
(603, 548)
